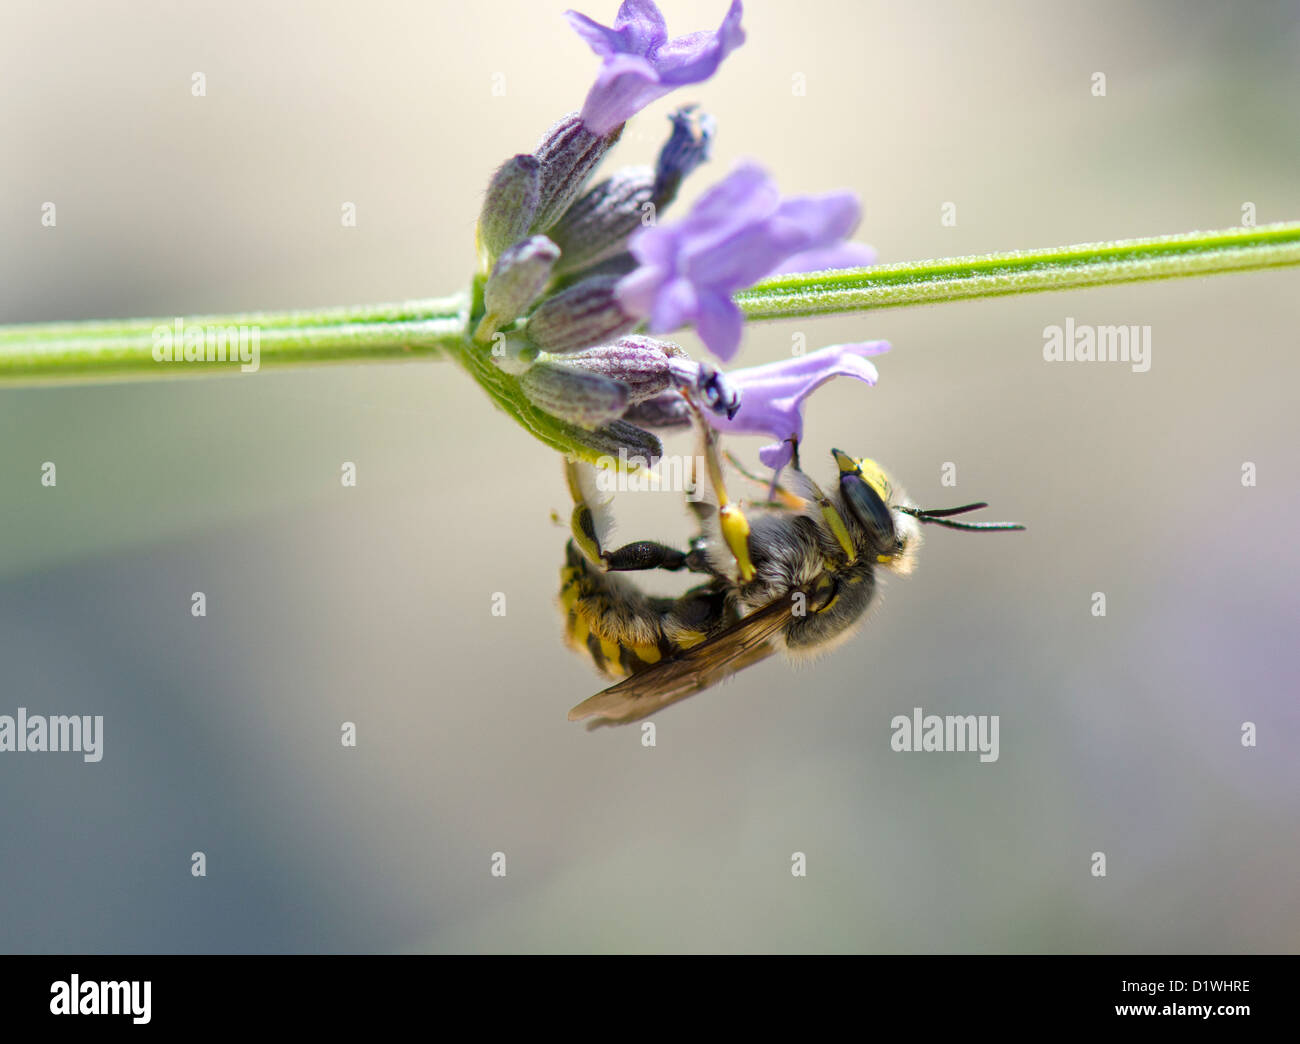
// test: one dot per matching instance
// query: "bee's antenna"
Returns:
(941, 516)
(945, 512)
(973, 526)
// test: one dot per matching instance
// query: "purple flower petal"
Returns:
(777, 455)
(674, 303)
(826, 218)
(772, 395)
(744, 195)
(719, 322)
(736, 234)
(843, 255)
(639, 28)
(640, 63)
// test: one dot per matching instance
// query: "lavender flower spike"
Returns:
(737, 233)
(772, 395)
(640, 64)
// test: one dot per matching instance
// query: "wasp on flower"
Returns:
(574, 280)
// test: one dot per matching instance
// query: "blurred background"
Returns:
(373, 604)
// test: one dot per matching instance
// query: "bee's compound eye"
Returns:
(870, 510)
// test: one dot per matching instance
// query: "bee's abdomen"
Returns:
(607, 618)
(625, 631)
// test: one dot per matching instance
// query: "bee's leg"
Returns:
(731, 520)
(644, 554)
(582, 522)
(639, 555)
(609, 618)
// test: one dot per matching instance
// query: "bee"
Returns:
(794, 573)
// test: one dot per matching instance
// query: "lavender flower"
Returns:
(569, 271)
(737, 233)
(772, 395)
(640, 64)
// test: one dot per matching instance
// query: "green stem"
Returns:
(1023, 272)
(124, 348)
(103, 349)
(403, 311)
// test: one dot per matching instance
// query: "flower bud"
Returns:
(508, 207)
(598, 225)
(619, 265)
(638, 446)
(665, 410)
(585, 314)
(567, 156)
(573, 395)
(517, 280)
(686, 148)
(642, 364)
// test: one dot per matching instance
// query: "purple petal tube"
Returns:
(772, 395)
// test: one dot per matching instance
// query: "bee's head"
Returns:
(893, 526)
(892, 533)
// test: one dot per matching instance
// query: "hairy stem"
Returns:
(1023, 272)
(125, 348)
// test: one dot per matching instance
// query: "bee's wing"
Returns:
(744, 643)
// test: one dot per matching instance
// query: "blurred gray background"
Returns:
(372, 604)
